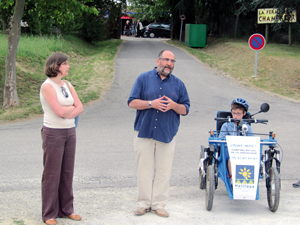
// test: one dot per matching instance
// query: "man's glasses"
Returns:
(64, 91)
(167, 60)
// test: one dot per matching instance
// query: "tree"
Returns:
(151, 10)
(284, 13)
(165, 10)
(10, 96)
(285, 7)
(39, 13)
(43, 15)
(6, 10)
(179, 7)
(216, 14)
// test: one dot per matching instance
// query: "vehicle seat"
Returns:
(225, 114)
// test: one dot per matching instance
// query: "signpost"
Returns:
(269, 15)
(256, 42)
(182, 18)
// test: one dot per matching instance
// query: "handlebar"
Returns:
(229, 119)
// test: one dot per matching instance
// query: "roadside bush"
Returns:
(92, 29)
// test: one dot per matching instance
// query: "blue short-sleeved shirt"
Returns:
(152, 123)
(229, 128)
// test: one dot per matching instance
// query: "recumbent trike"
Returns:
(249, 160)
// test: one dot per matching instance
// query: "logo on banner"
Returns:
(244, 174)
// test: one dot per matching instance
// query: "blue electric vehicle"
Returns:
(213, 165)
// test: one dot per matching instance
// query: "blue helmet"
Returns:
(241, 102)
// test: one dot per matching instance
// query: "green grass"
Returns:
(91, 69)
(282, 50)
(278, 64)
(19, 222)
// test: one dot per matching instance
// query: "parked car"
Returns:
(158, 30)
(143, 31)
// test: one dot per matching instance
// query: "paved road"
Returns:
(105, 172)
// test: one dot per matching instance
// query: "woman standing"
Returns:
(127, 28)
(133, 32)
(60, 105)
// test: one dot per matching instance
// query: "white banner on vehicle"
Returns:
(244, 153)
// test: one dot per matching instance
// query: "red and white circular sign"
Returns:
(257, 41)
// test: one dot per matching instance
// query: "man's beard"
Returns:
(162, 71)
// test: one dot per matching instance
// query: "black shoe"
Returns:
(297, 185)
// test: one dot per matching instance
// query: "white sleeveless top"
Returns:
(52, 120)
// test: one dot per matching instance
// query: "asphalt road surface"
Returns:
(105, 172)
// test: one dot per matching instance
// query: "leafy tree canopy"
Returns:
(284, 6)
(56, 12)
(151, 10)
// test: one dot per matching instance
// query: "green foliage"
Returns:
(91, 69)
(167, 11)
(150, 10)
(19, 222)
(178, 7)
(216, 12)
(113, 21)
(93, 28)
(43, 15)
(6, 10)
(285, 7)
(278, 65)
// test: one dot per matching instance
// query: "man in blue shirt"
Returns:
(160, 98)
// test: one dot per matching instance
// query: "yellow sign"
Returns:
(268, 15)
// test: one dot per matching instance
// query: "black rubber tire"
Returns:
(273, 189)
(201, 178)
(210, 187)
(152, 35)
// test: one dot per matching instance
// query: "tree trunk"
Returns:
(10, 96)
(172, 27)
(236, 25)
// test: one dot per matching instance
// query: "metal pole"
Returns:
(181, 30)
(256, 54)
(267, 33)
(290, 34)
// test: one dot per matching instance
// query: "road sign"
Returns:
(182, 17)
(257, 41)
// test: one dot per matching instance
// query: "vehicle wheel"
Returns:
(273, 189)
(201, 179)
(152, 35)
(210, 187)
(201, 168)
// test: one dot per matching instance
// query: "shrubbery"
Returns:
(92, 29)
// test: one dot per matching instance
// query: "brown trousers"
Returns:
(59, 156)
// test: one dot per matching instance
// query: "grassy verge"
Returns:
(278, 68)
(92, 67)
(91, 70)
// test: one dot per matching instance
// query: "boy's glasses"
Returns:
(236, 114)
(64, 91)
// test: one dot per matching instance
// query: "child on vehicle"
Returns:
(239, 108)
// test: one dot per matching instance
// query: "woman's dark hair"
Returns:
(53, 63)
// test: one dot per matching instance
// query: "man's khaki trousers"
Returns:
(154, 163)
